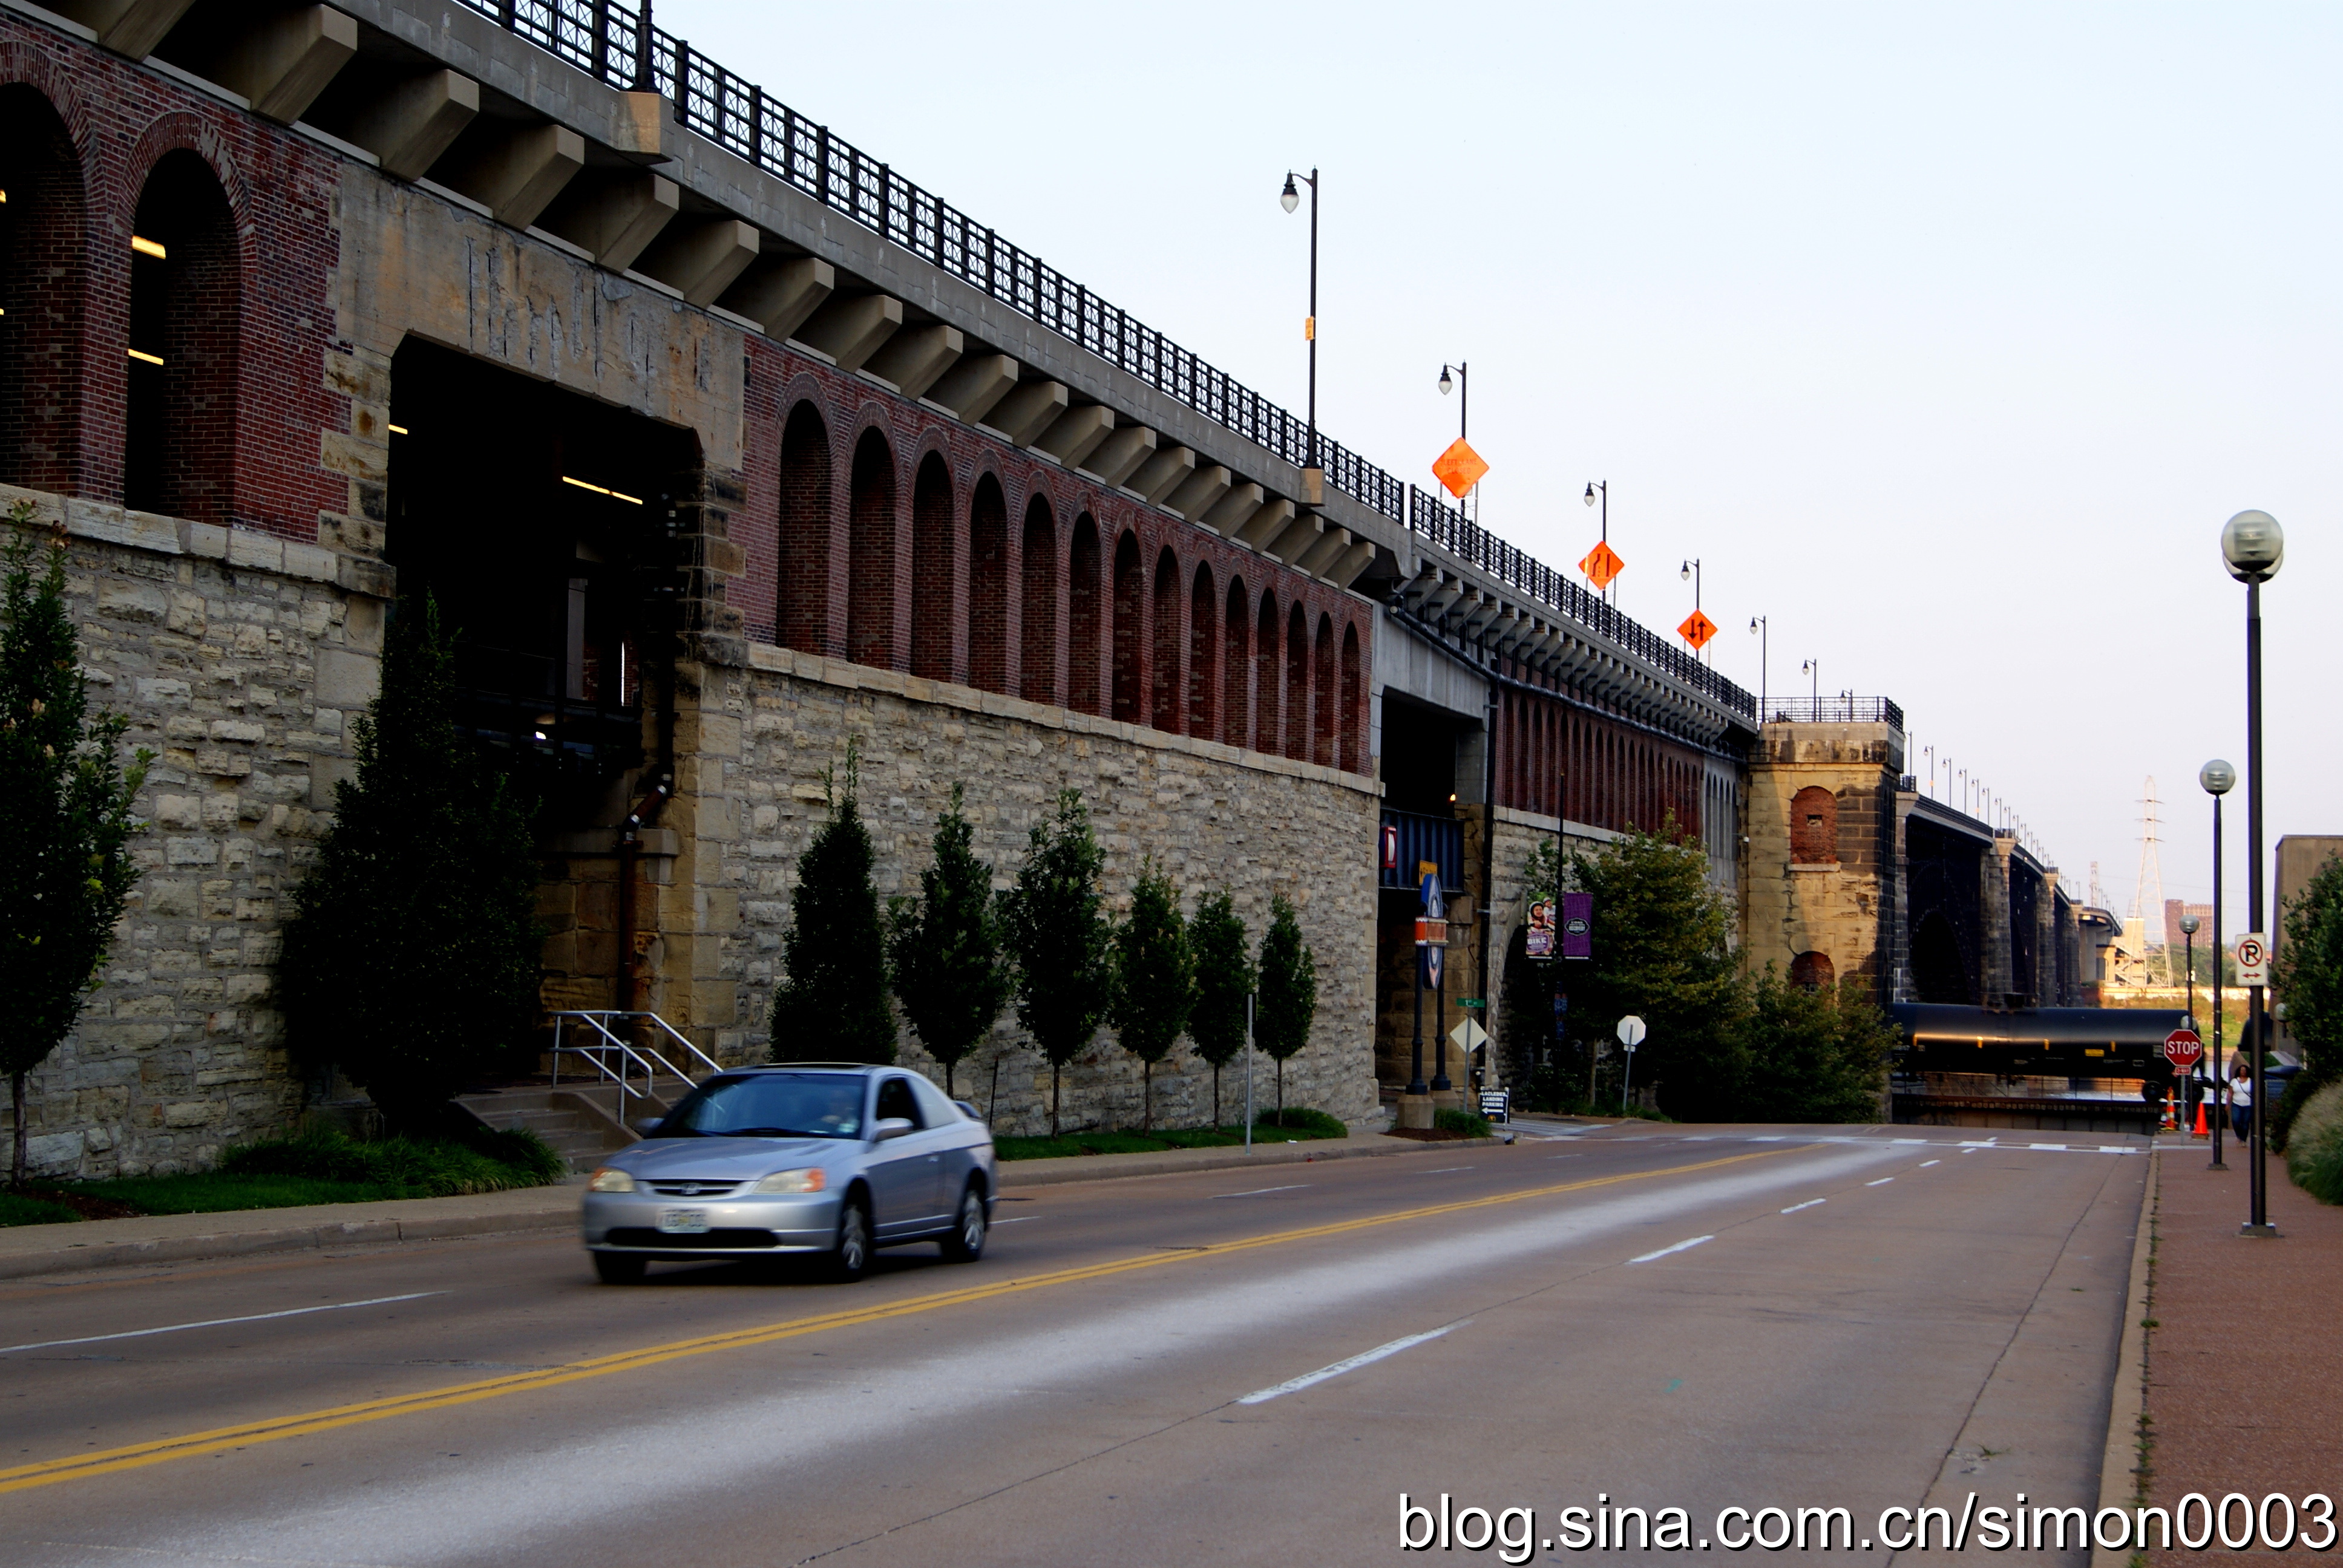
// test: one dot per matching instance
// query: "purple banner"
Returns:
(1578, 925)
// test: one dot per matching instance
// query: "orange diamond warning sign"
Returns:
(1601, 565)
(1460, 467)
(1696, 629)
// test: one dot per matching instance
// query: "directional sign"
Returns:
(1435, 906)
(1459, 468)
(2183, 1049)
(1468, 1036)
(1431, 962)
(1631, 1032)
(2253, 959)
(1602, 565)
(1696, 629)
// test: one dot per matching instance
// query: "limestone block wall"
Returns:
(752, 747)
(1837, 897)
(240, 659)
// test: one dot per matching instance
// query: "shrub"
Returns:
(1053, 920)
(1300, 1119)
(1470, 1123)
(484, 1162)
(1224, 982)
(2314, 1154)
(832, 1006)
(1288, 989)
(1154, 976)
(944, 948)
(1812, 1055)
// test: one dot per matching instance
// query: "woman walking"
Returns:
(2242, 1095)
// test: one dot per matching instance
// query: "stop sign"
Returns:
(2182, 1048)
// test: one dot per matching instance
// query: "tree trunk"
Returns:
(16, 1160)
(1053, 1097)
(949, 1093)
(992, 1100)
(1216, 1097)
(1281, 1092)
(1147, 1097)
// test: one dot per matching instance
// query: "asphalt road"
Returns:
(1862, 1321)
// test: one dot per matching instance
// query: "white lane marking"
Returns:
(1019, 1219)
(2113, 1148)
(1445, 1170)
(2060, 1147)
(1882, 1181)
(1769, 1138)
(220, 1323)
(1808, 1204)
(1925, 1163)
(1257, 1192)
(1351, 1364)
(1907, 1141)
(1979, 1142)
(1679, 1247)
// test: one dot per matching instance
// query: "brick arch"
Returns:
(1813, 826)
(44, 240)
(1354, 757)
(988, 586)
(1039, 589)
(1203, 651)
(1297, 683)
(1236, 667)
(801, 618)
(1087, 663)
(1268, 682)
(1129, 591)
(1812, 971)
(1163, 707)
(1322, 679)
(185, 316)
(939, 613)
(871, 552)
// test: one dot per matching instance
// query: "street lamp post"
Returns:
(1764, 631)
(1814, 667)
(2218, 778)
(1602, 486)
(1691, 574)
(2189, 1020)
(1313, 474)
(2253, 547)
(1462, 387)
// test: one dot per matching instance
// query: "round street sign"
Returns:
(2183, 1049)
(2253, 959)
(1631, 1032)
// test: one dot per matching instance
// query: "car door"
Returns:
(904, 1171)
(955, 1139)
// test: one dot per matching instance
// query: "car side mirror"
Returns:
(891, 1127)
(647, 1126)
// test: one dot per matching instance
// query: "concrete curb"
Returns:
(1172, 1162)
(2119, 1465)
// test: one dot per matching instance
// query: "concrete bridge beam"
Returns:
(1232, 511)
(1202, 492)
(1028, 410)
(616, 218)
(1321, 554)
(1076, 433)
(1346, 568)
(1121, 453)
(968, 390)
(699, 260)
(849, 330)
(1265, 523)
(1295, 538)
(132, 27)
(282, 66)
(1164, 473)
(408, 126)
(517, 175)
(780, 298)
(915, 358)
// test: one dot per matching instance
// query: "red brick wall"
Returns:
(42, 237)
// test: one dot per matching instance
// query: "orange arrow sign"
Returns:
(1601, 565)
(1696, 629)
(1460, 467)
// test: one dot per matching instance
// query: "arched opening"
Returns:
(42, 225)
(1322, 667)
(1164, 700)
(1268, 682)
(1297, 685)
(1038, 638)
(1082, 595)
(1940, 972)
(179, 432)
(870, 554)
(1204, 684)
(933, 615)
(1354, 755)
(1813, 826)
(1812, 972)
(802, 620)
(1236, 668)
(1127, 645)
(988, 586)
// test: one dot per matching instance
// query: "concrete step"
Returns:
(579, 1127)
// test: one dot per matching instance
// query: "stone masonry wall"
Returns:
(239, 660)
(751, 796)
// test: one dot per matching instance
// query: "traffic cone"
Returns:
(2201, 1131)
(2171, 1117)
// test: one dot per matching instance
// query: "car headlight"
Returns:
(812, 1179)
(609, 1179)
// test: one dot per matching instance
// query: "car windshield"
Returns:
(771, 1105)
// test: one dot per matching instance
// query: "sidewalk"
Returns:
(2245, 1368)
(28, 1249)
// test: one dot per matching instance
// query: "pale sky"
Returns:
(1945, 337)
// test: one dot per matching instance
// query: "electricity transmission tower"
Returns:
(2151, 876)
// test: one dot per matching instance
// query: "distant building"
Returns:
(2174, 937)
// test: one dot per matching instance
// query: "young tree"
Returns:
(1663, 950)
(831, 1005)
(1060, 940)
(945, 947)
(64, 863)
(1154, 976)
(2308, 973)
(412, 957)
(1224, 980)
(1288, 992)
(1812, 1054)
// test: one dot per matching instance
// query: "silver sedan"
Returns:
(805, 1158)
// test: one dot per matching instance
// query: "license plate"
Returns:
(683, 1222)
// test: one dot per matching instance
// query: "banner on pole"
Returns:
(1578, 925)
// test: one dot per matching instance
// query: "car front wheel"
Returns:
(617, 1268)
(965, 1242)
(849, 1260)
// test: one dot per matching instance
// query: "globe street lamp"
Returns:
(2253, 547)
(1814, 667)
(2218, 778)
(1760, 629)
(1313, 475)
(1465, 402)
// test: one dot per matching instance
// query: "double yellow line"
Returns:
(197, 1444)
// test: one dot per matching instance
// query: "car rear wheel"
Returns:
(849, 1260)
(965, 1242)
(617, 1269)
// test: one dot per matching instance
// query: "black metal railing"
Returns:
(508, 701)
(606, 40)
(1834, 710)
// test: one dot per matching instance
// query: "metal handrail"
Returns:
(650, 1061)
